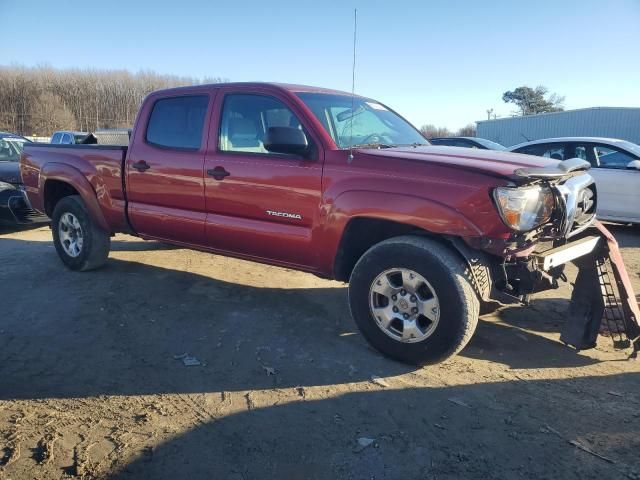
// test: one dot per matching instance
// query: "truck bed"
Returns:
(100, 165)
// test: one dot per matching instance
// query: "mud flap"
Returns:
(596, 298)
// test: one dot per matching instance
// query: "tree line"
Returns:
(40, 100)
(529, 101)
(431, 131)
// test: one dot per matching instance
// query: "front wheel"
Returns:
(80, 244)
(412, 300)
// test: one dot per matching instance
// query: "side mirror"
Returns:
(287, 140)
(634, 165)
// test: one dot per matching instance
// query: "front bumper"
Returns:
(602, 291)
(558, 256)
(15, 209)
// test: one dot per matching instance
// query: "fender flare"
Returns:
(74, 177)
(419, 212)
(429, 215)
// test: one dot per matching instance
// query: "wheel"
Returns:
(412, 300)
(80, 244)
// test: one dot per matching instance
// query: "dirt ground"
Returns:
(93, 381)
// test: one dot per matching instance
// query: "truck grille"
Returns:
(578, 198)
(586, 206)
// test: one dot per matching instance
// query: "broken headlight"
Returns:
(524, 208)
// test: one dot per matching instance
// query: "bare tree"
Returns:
(431, 131)
(51, 114)
(41, 99)
(467, 131)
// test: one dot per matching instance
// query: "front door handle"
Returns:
(218, 173)
(141, 166)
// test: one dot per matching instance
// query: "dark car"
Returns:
(14, 205)
(468, 142)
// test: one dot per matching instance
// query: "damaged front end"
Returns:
(534, 260)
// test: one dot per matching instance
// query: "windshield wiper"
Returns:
(373, 145)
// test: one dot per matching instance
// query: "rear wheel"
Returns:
(80, 244)
(412, 300)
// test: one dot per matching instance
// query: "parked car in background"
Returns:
(615, 167)
(68, 137)
(467, 142)
(14, 205)
(109, 136)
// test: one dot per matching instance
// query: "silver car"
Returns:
(615, 165)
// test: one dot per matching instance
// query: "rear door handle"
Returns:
(218, 173)
(141, 166)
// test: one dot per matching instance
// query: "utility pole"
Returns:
(489, 112)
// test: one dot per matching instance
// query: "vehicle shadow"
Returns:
(7, 229)
(511, 429)
(122, 329)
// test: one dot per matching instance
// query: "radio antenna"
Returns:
(353, 83)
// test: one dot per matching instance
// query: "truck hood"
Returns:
(10, 172)
(490, 162)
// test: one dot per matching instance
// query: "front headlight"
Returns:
(524, 208)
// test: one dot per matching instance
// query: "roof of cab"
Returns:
(289, 87)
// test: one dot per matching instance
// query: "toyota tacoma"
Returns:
(343, 187)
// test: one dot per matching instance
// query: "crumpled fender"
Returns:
(75, 178)
(402, 208)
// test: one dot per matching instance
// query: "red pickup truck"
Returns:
(337, 185)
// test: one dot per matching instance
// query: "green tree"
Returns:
(534, 100)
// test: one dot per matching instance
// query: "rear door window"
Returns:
(178, 122)
(549, 150)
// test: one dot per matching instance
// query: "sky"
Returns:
(443, 63)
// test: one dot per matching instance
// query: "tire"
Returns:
(93, 250)
(447, 281)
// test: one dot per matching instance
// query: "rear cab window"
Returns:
(177, 122)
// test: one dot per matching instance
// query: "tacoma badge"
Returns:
(296, 216)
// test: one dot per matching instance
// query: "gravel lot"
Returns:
(93, 381)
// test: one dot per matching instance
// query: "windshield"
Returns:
(631, 147)
(11, 149)
(489, 144)
(368, 123)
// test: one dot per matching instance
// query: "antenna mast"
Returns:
(353, 82)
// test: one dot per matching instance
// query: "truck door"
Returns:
(260, 204)
(165, 186)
